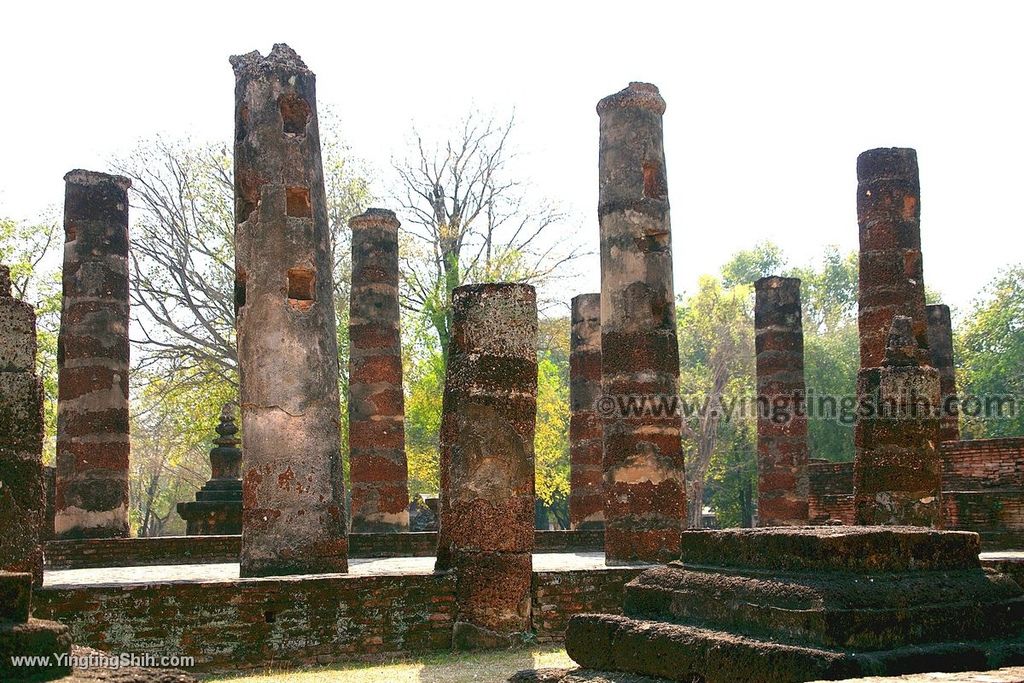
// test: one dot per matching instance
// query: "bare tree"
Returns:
(182, 252)
(468, 220)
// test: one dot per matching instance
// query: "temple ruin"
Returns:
(486, 525)
(293, 519)
(897, 472)
(586, 448)
(887, 580)
(782, 484)
(92, 360)
(645, 488)
(379, 473)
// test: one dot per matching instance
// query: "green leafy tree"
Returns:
(989, 346)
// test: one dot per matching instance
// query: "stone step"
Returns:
(832, 548)
(34, 638)
(839, 610)
(15, 596)
(686, 653)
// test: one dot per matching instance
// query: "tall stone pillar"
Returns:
(378, 469)
(645, 489)
(293, 490)
(897, 471)
(488, 418)
(586, 449)
(782, 480)
(940, 344)
(22, 496)
(92, 360)
(891, 269)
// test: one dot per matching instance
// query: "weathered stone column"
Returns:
(897, 472)
(487, 461)
(782, 483)
(92, 360)
(22, 497)
(586, 449)
(378, 469)
(940, 344)
(645, 489)
(293, 488)
(891, 269)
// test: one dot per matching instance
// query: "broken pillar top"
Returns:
(372, 218)
(888, 163)
(637, 95)
(85, 178)
(281, 58)
(776, 282)
(586, 306)
(5, 282)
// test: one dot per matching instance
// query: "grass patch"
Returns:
(492, 666)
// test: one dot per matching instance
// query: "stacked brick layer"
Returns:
(586, 449)
(645, 487)
(293, 487)
(830, 492)
(782, 487)
(22, 495)
(488, 418)
(378, 471)
(92, 360)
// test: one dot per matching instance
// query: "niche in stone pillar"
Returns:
(295, 114)
(301, 285)
(297, 202)
(240, 282)
(655, 184)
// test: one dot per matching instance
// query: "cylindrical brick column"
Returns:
(488, 418)
(22, 490)
(940, 344)
(897, 471)
(891, 269)
(92, 360)
(378, 470)
(586, 449)
(645, 489)
(293, 489)
(782, 484)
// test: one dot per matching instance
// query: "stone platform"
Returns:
(384, 606)
(798, 604)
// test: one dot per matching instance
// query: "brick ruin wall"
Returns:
(139, 552)
(982, 483)
(255, 623)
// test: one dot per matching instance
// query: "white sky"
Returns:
(769, 103)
